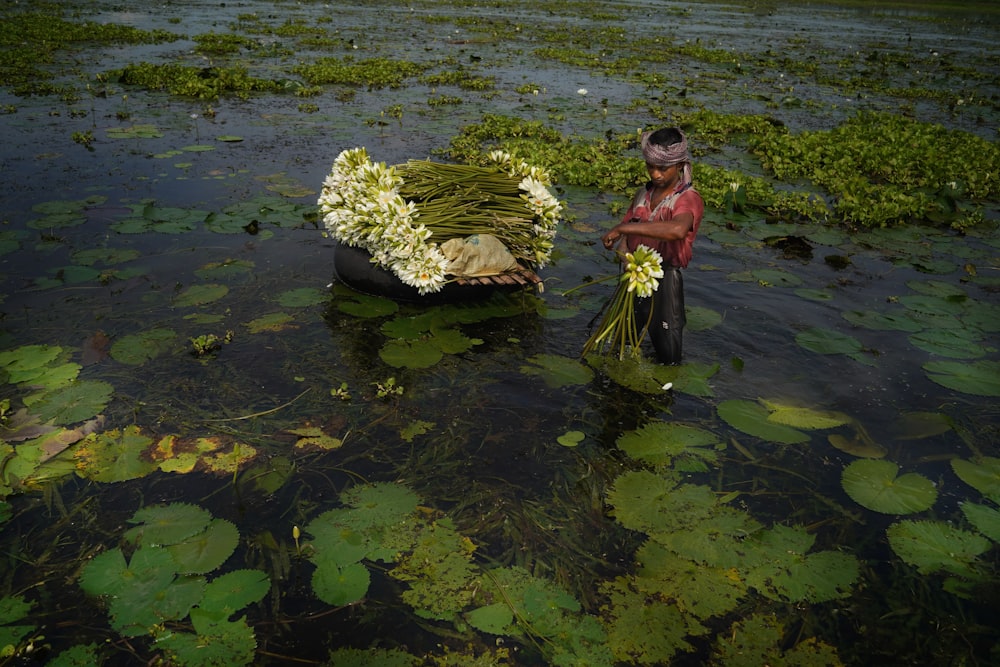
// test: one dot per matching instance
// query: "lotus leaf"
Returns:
(803, 417)
(933, 546)
(302, 297)
(754, 419)
(230, 592)
(758, 640)
(985, 519)
(115, 456)
(873, 483)
(160, 525)
(952, 343)
(558, 371)
(136, 349)
(645, 631)
(982, 474)
(341, 586)
(702, 591)
(199, 295)
(206, 550)
(659, 443)
(981, 378)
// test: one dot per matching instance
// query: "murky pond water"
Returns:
(512, 504)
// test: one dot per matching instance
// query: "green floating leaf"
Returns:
(494, 618)
(982, 474)
(235, 590)
(229, 138)
(776, 277)
(828, 341)
(873, 483)
(985, 519)
(74, 402)
(138, 131)
(558, 371)
(643, 630)
(759, 640)
(222, 270)
(302, 297)
(206, 550)
(24, 363)
(701, 319)
(341, 585)
(659, 443)
(136, 349)
(199, 295)
(160, 525)
(798, 416)
(271, 322)
(704, 591)
(754, 419)
(876, 321)
(105, 256)
(115, 456)
(571, 438)
(981, 378)
(933, 546)
(952, 343)
(411, 354)
(919, 425)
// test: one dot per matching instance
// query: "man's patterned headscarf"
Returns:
(665, 156)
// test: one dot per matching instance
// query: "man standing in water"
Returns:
(665, 215)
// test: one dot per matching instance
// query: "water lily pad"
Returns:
(985, 519)
(494, 619)
(272, 322)
(411, 354)
(981, 378)
(207, 549)
(873, 483)
(302, 297)
(341, 586)
(24, 363)
(235, 590)
(870, 319)
(952, 343)
(859, 445)
(73, 403)
(659, 443)
(776, 277)
(700, 318)
(933, 546)
(106, 256)
(982, 474)
(136, 349)
(754, 419)
(115, 456)
(558, 371)
(361, 305)
(159, 525)
(571, 438)
(829, 341)
(229, 138)
(138, 131)
(919, 425)
(787, 573)
(798, 416)
(199, 295)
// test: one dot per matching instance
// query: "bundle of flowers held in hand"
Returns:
(401, 214)
(619, 332)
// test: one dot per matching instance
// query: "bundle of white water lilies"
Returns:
(403, 214)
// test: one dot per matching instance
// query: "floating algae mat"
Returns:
(213, 451)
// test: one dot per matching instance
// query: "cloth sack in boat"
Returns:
(477, 255)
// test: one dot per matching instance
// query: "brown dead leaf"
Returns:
(95, 349)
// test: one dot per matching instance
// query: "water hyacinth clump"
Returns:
(401, 214)
(619, 332)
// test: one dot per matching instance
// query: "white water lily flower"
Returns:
(582, 91)
(643, 269)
